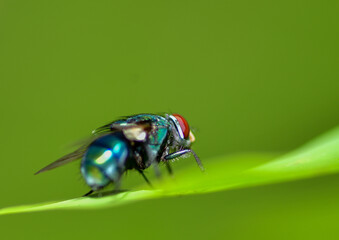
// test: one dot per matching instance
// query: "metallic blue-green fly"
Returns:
(134, 142)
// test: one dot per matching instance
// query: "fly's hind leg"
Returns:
(89, 193)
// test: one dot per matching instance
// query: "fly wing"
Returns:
(77, 154)
(73, 156)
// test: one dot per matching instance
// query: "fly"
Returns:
(134, 142)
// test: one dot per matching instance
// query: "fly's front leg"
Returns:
(183, 152)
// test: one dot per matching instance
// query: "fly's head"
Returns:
(182, 137)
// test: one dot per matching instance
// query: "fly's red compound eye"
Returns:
(183, 125)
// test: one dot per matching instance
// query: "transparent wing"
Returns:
(77, 154)
(73, 156)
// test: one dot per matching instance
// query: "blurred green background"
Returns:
(250, 76)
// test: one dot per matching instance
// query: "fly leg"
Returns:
(156, 169)
(117, 184)
(89, 193)
(169, 168)
(183, 152)
(146, 179)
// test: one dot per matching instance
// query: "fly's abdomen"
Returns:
(104, 160)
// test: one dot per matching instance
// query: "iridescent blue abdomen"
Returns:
(104, 160)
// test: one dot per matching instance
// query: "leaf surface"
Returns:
(318, 157)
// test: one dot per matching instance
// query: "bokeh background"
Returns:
(250, 76)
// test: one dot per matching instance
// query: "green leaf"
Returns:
(318, 157)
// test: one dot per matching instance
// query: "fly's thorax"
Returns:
(105, 160)
(152, 149)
